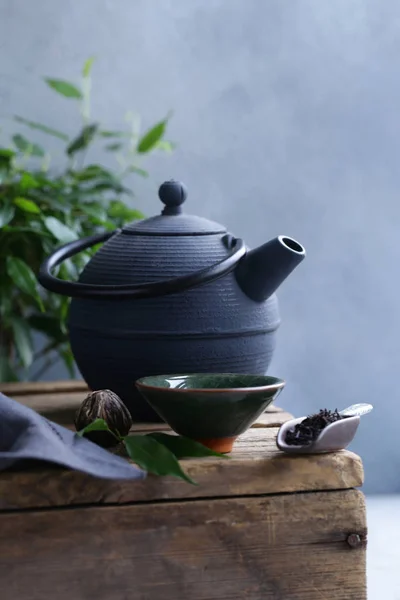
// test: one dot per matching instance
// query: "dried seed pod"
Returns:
(104, 404)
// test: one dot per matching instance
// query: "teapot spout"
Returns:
(262, 270)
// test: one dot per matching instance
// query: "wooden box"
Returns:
(260, 526)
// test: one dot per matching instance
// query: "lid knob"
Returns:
(172, 194)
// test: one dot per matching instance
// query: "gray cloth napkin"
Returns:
(24, 434)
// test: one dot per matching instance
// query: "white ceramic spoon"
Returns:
(335, 436)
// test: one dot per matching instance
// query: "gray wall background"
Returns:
(286, 116)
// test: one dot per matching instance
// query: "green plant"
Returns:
(157, 453)
(43, 207)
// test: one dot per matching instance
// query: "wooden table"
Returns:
(261, 526)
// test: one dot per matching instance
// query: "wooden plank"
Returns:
(42, 387)
(290, 547)
(273, 417)
(256, 467)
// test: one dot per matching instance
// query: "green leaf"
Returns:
(6, 159)
(31, 229)
(27, 205)
(139, 171)
(27, 181)
(165, 146)
(83, 140)
(69, 90)
(23, 341)
(94, 210)
(118, 210)
(6, 153)
(87, 67)
(7, 212)
(69, 362)
(97, 425)
(7, 307)
(110, 185)
(6, 165)
(113, 147)
(151, 137)
(27, 147)
(47, 324)
(153, 457)
(114, 134)
(183, 447)
(42, 128)
(24, 278)
(7, 373)
(60, 231)
(64, 314)
(21, 143)
(68, 270)
(93, 172)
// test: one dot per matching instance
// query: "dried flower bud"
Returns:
(104, 404)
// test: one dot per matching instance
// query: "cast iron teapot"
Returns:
(174, 293)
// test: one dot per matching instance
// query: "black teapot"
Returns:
(174, 293)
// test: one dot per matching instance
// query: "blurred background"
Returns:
(285, 120)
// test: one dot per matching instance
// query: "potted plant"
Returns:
(42, 207)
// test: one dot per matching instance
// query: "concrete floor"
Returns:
(383, 556)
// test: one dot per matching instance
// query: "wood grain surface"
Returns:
(286, 547)
(23, 388)
(261, 525)
(256, 467)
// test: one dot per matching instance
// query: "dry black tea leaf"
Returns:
(306, 432)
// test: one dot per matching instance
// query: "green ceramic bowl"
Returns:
(210, 408)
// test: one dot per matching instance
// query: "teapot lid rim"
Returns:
(179, 225)
(173, 221)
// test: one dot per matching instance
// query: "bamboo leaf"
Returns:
(165, 146)
(23, 341)
(113, 147)
(47, 324)
(69, 362)
(26, 205)
(138, 171)
(65, 88)
(6, 154)
(27, 147)
(83, 140)
(119, 210)
(28, 182)
(93, 172)
(153, 457)
(42, 128)
(7, 373)
(114, 134)
(7, 212)
(23, 277)
(6, 160)
(151, 137)
(87, 67)
(60, 231)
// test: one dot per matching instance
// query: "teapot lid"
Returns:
(172, 221)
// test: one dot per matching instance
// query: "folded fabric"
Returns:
(24, 434)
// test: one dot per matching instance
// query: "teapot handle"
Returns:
(143, 290)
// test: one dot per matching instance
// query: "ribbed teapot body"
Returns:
(213, 327)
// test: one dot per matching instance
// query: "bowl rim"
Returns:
(278, 384)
